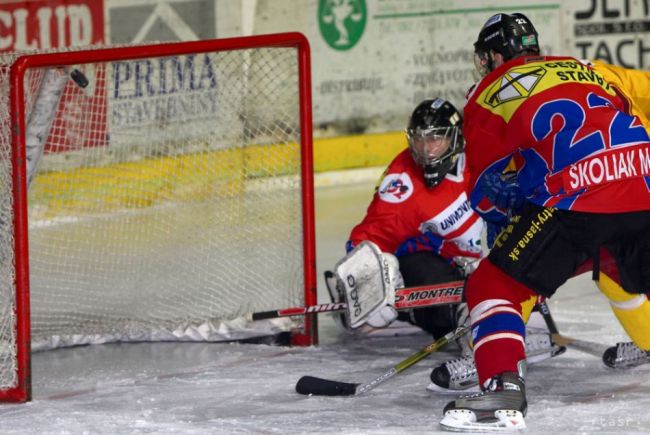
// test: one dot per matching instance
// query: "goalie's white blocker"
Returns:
(368, 279)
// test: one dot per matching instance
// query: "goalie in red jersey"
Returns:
(421, 219)
(582, 155)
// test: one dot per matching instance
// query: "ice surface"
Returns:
(249, 389)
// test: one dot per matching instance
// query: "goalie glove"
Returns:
(383, 316)
(368, 278)
(503, 191)
(380, 318)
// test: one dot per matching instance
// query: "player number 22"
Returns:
(566, 148)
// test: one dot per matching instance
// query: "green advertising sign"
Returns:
(342, 22)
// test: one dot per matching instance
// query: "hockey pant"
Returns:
(538, 252)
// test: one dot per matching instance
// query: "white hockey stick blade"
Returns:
(463, 420)
(588, 347)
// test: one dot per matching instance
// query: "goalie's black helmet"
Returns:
(511, 35)
(435, 138)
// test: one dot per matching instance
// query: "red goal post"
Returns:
(173, 197)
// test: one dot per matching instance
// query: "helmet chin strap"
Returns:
(491, 62)
(433, 174)
(485, 64)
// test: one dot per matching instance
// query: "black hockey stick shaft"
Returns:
(589, 347)
(405, 298)
(325, 387)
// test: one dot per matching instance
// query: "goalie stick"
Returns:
(408, 297)
(589, 347)
(325, 387)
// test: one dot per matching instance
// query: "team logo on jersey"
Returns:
(395, 188)
(450, 219)
(504, 96)
(515, 84)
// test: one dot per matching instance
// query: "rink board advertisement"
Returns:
(33, 25)
(372, 60)
(142, 92)
(137, 21)
(614, 31)
(410, 50)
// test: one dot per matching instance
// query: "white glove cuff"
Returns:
(382, 317)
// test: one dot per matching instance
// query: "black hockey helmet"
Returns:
(435, 138)
(510, 35)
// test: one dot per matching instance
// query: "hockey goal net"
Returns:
(166, 198)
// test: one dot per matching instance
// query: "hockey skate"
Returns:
(455, 375)
(462, 319)
(502, 406)
(625, 355)
(459, 375)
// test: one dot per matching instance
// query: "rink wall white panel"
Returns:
(373, 60)
(409, 50)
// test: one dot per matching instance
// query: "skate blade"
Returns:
(433, 388)
(627, 364)
(464, 420)
(396, 329)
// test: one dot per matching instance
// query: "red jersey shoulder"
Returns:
(403, 178)
(400, 180)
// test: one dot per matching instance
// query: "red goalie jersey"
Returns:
(405, 216)
(571, 133)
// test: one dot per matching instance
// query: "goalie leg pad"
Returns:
(366, 277)
(336, 296)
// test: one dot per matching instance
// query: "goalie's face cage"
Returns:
(434, 150)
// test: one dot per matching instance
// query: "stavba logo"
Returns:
(342, 22)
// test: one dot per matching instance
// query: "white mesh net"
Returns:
(167, 203)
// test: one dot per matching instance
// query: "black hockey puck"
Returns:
(79, 78)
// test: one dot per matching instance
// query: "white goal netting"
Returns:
(167, 204)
